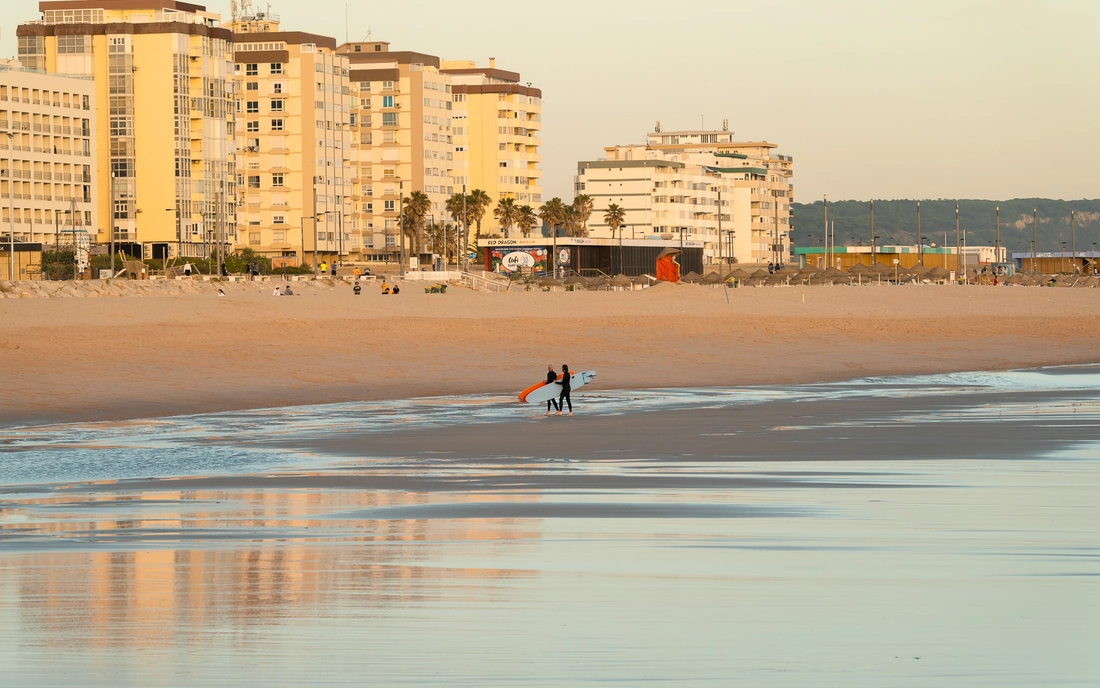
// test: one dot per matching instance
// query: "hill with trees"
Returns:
(896, 222)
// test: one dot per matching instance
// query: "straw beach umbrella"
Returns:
(712, 278)
(620, 281)
(692, 277)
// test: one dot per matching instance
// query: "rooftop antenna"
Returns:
(346, 28)
(657, 129)
(725, 125)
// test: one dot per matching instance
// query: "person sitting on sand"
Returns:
(396, 289)
(385, 288)
(287, 291)
(276, 292)
(220, 292)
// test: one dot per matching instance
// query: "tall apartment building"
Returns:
(497, 122)
(294, 178)
(682, 182)
(163, 116)
(401, 137)
(47, 155)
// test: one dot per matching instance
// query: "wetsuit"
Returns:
(551, 378)
(564, 399)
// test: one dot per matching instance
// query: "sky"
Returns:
(988, 99)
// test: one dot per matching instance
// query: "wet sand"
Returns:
(142, 356)
(894, 532)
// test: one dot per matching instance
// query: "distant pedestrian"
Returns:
(255, 270)
(333, 268)
(551, 378)
(565, 383)
(225, 271)
(187, 270)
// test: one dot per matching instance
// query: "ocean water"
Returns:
(256, 548)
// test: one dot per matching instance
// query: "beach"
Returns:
(158, 351)
(877, 532)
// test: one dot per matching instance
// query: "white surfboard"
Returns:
(544, 392)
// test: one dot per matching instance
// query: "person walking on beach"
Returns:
(565, 383)
(551, 378)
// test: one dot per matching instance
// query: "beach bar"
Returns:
(587, 256)
(1049, 263)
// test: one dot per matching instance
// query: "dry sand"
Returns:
(162, 349)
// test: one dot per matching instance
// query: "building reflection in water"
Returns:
(173, 563)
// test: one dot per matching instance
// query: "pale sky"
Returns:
(886, 99)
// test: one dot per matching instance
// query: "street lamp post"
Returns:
(825, 245)
(997, 244)
(11, 214)
(1035, 240)
(958, 246)
(920, 249)
(872, 231)
(401, 226)
(1073, 238)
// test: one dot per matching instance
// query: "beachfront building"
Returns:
(162, 118)
(401, 139)
(497, 124)
(47, 158)
(293, 140)
(733, 196)
(951, 258)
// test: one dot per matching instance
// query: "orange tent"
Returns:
(668, 270)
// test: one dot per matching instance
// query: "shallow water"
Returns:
(276, 566)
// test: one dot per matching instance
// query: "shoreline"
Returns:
(126, 358)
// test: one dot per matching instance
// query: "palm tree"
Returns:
(506, 213)
(614, 217)
(526, 219)
(582, 209)
(454, 207)
(444, 238)
(417, 204)
(553, 213)
(477, 202)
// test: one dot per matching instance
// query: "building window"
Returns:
(364, 103)
(364, 86)
(276, 125)
(389, 119)
(252, 86)
(72, 45)
(276, 104)
(276, 68)
(368, 207)
(254, 237)
(276, 180)
(388, 137)
(387, 101)
(277, 87)
(254, 181)
(388, 206)
(252, 70)
(279, 235)
(278, 220)
(252, 106)
(387, 86)
(252, 127)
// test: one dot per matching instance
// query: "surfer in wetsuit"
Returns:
(551, 378)
(564, 399)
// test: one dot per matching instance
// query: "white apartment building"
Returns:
(47, 155)
(699, 184)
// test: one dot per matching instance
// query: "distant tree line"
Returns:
(896, 222)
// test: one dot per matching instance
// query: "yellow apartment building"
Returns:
(401, 139)
(497, 125)
(293, 139)
(733, 196)
(47, 157)
(163, 116)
